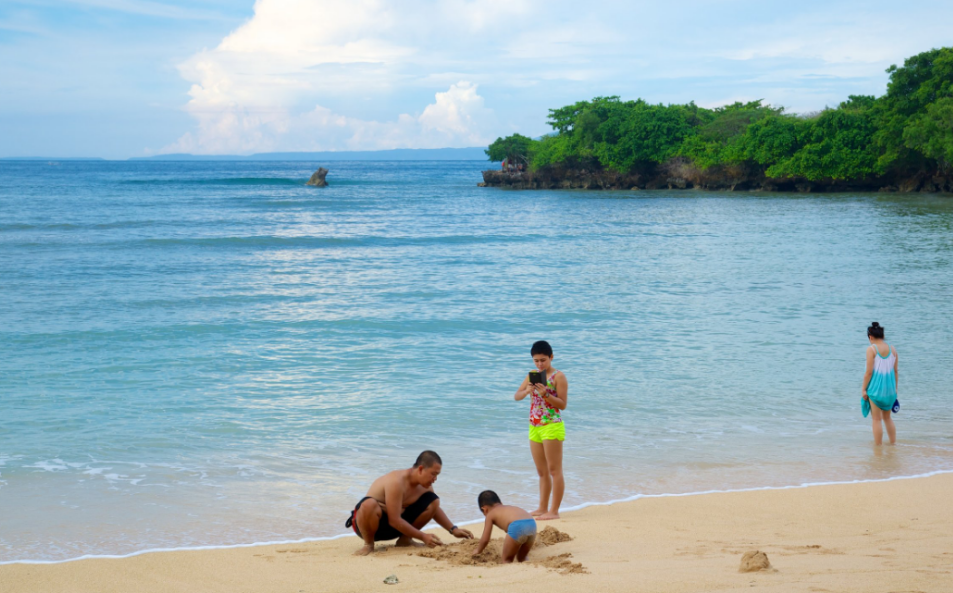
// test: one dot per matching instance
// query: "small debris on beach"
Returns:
(754, 561)
(391, 580)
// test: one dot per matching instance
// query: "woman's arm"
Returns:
(870, 370)
(524, 390)
(896, 371)
(561, 399)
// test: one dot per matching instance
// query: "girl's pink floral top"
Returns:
(540, 412)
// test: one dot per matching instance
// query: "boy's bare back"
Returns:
(502, 515)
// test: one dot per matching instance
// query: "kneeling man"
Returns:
(399, 504)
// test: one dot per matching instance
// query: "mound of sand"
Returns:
(461, 553)
(562, 564)
(550, 535)
(754, 561)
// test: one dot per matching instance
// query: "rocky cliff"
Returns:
(683, 175)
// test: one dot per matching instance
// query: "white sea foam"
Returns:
(578, 507)
(52, 465)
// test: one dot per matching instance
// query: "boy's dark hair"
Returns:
(541, 347)
(488, 498)
(427, 459)
(875, 331)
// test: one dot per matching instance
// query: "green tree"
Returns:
(922, 80)
(515, 148)
(931, 133)
(835, 145)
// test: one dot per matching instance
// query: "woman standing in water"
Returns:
(880, 385)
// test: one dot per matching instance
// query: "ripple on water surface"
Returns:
(214, 353)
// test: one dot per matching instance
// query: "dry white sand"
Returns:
(876, 537)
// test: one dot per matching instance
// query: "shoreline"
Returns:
(839, 538)
(576, 508)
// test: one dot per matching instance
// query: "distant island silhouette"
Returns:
(397, 154)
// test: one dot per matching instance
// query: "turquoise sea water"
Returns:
(213, 353)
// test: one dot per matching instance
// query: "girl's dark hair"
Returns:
(541, 347)
(875, 331)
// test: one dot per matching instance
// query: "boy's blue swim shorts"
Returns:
(522, 530)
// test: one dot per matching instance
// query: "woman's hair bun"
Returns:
(875, 324)
(875, 330)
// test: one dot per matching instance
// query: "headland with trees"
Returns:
(901, 141)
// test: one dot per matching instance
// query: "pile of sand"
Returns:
(754, 561)
(461, 553)
(550, 535)
(562, 564)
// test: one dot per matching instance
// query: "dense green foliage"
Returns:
(908, 129)
(515, 148)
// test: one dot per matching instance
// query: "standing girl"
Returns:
(549, 394)
(880, 385)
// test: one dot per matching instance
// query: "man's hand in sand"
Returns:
(431, 541)
(461, 533)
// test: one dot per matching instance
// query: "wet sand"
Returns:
(873, 537)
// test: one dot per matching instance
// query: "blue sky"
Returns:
(121, 78)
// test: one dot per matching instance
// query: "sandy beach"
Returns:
(873, 537)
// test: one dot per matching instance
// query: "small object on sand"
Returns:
(391, 580)
(754, 561)
(317, 180)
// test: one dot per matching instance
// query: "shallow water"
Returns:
(214, 353)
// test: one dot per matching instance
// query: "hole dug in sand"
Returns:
(461, 553)
(754, 561)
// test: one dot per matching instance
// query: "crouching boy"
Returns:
(519, 526)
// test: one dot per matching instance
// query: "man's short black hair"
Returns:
(541, 347)
(488, 498)
(428, 459)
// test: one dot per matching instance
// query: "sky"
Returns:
(127, 78)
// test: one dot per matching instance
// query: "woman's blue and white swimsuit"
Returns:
(882, 389)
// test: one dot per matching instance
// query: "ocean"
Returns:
(212, 353)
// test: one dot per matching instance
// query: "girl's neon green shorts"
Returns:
(548, 432)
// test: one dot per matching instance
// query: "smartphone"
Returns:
(536, 377)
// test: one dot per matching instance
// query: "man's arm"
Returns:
(444, 521)
(485, 538)
(393, 501)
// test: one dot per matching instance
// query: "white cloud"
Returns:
(256, 91)
(456, 118)
(357, 74)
